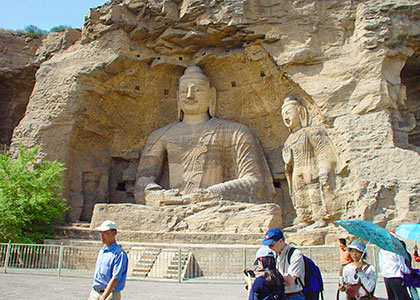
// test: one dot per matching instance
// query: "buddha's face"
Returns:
(290, 116)
(194, 96)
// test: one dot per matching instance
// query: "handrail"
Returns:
(210, 262)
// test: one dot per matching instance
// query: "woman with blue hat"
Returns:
(359, 277)
(270, 285)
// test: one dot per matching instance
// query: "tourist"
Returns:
(411, 286)
(392, 268)
(359, 278)
(111, 266)
(345, 257)
(293, 272)
(416, 254)
(270, 283)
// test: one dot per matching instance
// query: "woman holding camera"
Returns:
(270, 284)
(359, 277)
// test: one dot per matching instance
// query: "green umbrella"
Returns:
(373, 234)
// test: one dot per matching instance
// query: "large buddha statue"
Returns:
(311, 164)
(201, 153)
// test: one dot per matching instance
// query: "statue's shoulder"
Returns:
(160, 132)
(230, 125)
(316, 131)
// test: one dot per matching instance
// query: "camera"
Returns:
(249, 272)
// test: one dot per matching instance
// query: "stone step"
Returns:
(138, 274)
(144, 270)
(80, 225)
(146, 262)
(142, 264)
(148, 258)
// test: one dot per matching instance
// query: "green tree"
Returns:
(33, 30)
(59, 28)
(29, 196)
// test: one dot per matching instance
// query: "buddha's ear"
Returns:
(212, 104)
(303, 116)
(178, 107)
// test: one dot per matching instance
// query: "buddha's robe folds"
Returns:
(218, 155)
(307, 153)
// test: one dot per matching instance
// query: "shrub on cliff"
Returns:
(59, 28)
(29, 196)
(34, 31)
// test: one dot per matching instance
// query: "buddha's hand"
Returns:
(172, 192)
(202, 191)
(207, 193)
(202, 194)
(153, 187)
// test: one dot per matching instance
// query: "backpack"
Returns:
(275, 295)
(313, 284)
(412, 279)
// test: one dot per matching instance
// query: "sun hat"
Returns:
(263, 252)
(107, 225)
(274, 234)
(358, 245)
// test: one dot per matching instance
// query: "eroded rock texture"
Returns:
(18, 66)
(20, 57)
(354, 64)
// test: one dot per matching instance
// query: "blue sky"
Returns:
(16, 14)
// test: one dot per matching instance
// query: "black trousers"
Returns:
(396, 289)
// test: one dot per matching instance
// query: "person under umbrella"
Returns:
(359, 278)
(374, 234)
(393, 267)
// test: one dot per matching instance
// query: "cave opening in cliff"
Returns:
(410, 77)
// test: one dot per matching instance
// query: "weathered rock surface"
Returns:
(20, 57)
(209, 216)
(18, 65)
(57, 41)
(354, 63)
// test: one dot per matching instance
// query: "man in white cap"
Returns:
(111, 266)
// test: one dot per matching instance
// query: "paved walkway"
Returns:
(47, 287)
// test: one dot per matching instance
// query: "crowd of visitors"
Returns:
(281, 272)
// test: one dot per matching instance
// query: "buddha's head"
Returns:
(195, 96)
(294, 113)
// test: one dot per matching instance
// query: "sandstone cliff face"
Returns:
(20, 57)
(355, 64)
(17, 78)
